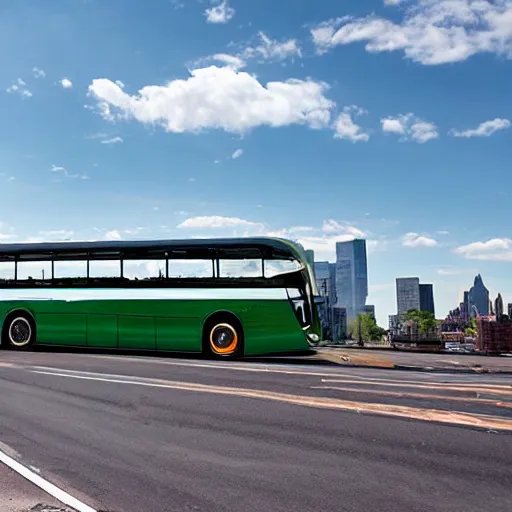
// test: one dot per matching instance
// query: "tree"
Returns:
(425, 321)
(471, 330)
(365, 327)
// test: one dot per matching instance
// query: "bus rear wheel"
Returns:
(223, 338)
(19, 331)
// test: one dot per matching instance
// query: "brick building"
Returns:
(494, 337)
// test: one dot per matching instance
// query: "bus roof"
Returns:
(207, 248)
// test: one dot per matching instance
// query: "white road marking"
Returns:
(43, 484)
(440, 416)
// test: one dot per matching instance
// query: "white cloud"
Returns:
(345, 128)
(6, 231)
(113, 235)
(220, 13)
(217, 98)
(19, 87)
(66, 83)
(59, 169)
(113, 140)
(495, 249)
(38, 73)
(237, 154)
(230, 60)
(56, 235)
(217, 222)
(451, 271)
(484, 129)
(443, 232)
(393, 2)
(410, 127)
(272, 49)
(333, 226)
(414, 240)
(431, 32)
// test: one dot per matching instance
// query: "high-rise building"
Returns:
(509, 309)
(427, 298)
(339, 323)
(478, 298)
(498, 306)
(310, 258)
(407, 294)
(369, 309)
(351, 276)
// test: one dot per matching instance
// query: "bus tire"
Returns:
(223, 337)
(19, 330)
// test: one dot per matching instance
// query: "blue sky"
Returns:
(318, 121)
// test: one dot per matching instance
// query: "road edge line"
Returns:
(45, 485)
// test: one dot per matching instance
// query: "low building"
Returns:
(494, 337)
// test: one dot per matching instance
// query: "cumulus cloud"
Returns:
(220, 13)
(113, 235)
(217, 98)
(410, 127)
(484, 129)
(217, 222)
(237, 154)
(345, 128)
(495, 249)
(414, 240)
(19, 87)
(430, 33)
(66, 83)
(38, 73)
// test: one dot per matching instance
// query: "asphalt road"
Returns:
(126, 433)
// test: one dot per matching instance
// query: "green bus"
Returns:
(224, 298)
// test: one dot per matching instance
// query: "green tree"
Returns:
(425, 321)
(471, 330)
(365, 327)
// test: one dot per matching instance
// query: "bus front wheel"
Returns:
(223, 338)
(19, 331)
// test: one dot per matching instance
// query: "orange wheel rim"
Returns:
(232, 345)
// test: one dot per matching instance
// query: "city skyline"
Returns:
(306, 124)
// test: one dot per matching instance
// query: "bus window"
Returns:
(275, 267)
(67, 269)
(144, 269)
(240, 268)
(190, 268)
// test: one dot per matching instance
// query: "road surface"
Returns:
(132, 433)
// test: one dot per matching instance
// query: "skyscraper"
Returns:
(351, 276)
(427, 298)
(498, 307)
(407, 294)
(478, 298)
(310, 258)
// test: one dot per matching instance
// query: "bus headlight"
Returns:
(314, 337)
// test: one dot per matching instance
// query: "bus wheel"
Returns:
(19, 331)
(224, 338)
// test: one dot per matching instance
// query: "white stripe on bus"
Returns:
(69, 294)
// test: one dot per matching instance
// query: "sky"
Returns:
(317, 121)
